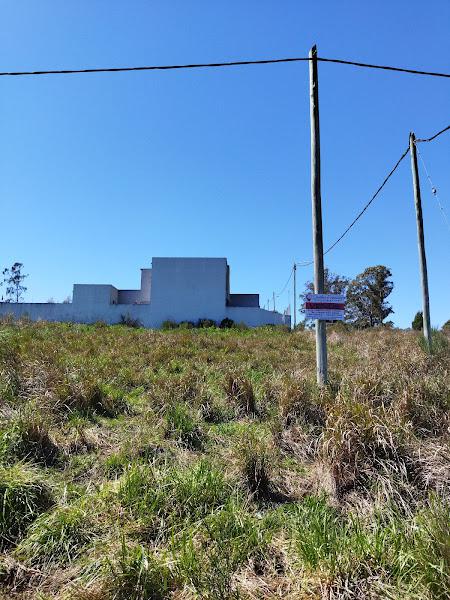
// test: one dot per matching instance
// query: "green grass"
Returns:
(206, 463)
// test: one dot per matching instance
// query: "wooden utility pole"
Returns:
(321, 331)
(295, 295)
(420, 241)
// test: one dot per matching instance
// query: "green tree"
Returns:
(333, 284)
(13, 279)
(366, 297)
(417, 323)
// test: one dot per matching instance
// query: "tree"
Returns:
(417, 323)
(366, 297)
(333, 284)
(12, 279)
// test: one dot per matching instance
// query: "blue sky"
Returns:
(102, 172)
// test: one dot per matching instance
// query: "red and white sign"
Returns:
(325, 307)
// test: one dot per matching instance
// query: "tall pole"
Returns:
(321, 331)
(273, 296)
(420, 241)
(295, 295)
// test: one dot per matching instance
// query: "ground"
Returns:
(206, 463)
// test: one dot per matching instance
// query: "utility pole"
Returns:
(321, 330)
(420, 241)
(273, 295)
(295, 295)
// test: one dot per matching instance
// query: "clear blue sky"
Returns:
(101, 172)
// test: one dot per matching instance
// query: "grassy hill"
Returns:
(187, 464)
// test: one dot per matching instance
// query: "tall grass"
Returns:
(205, 463)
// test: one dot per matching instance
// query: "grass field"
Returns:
(187, 464)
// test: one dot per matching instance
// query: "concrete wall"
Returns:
(129, 296)
(186, 289)
(253, 317)
(111, 314)
(177, 289)
(146, 284)
(94, 295)
(244, 300)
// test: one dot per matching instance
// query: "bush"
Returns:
(417, 323)
(130, 321)
(23, 496)
(168, 324)
(226, 323)
(205, 323)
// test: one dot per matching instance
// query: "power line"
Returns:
(362, 211)
(434, 190)
(434, 136)
(221, 64)
(383, 67)
(359, 215)
(285, 285)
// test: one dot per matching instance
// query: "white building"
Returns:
(175, 289)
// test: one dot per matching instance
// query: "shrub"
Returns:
(23, 496)
(204, 323)
(167, 324)
(130, 321)
(417, 323)
(226, 323)
(186, 325)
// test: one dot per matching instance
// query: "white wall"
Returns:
(186, 289)
(182, 289)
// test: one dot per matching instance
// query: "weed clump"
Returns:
(23, 497)
(255, 458)
(27, 437)
(59, 536)
(240, 394)
(183, 426)
(137, 574)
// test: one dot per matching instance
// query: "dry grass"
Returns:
(206, 464)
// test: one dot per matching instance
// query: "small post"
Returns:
(420, 241)
(321, 327)
(295, 295)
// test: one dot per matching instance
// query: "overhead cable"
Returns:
(361, 212)
(222, 64)
(434, 190)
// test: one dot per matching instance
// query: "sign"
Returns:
(325, 307)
